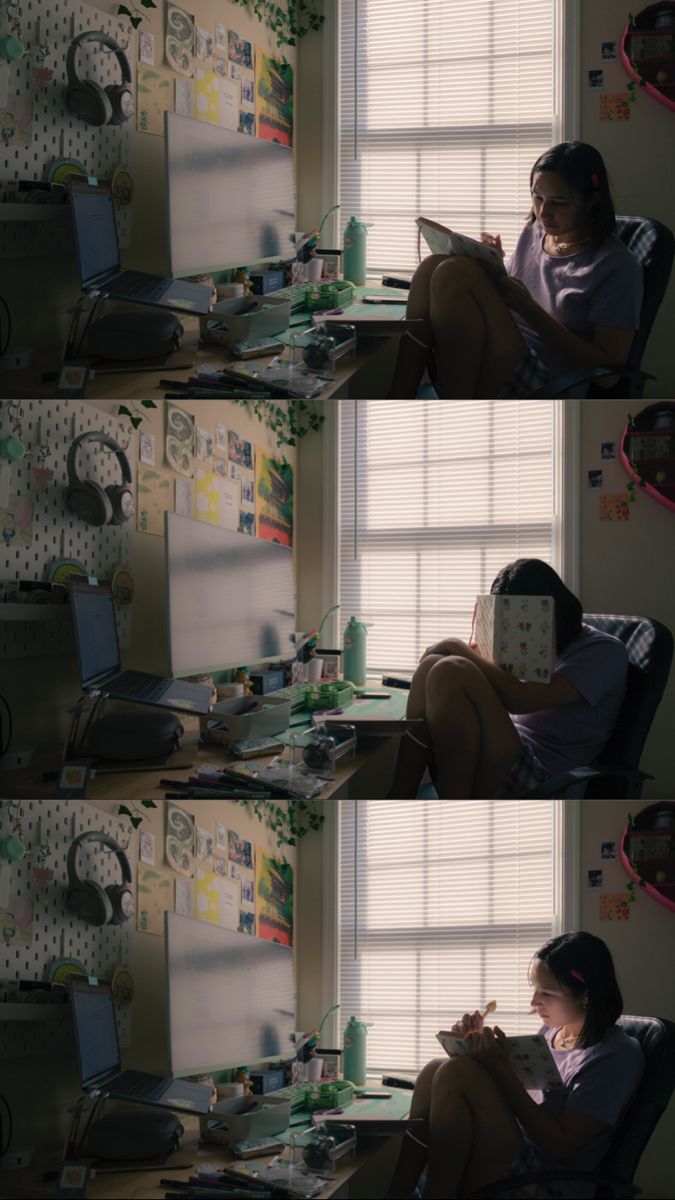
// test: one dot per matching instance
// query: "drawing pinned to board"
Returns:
(274, 499)
(179, 44)
(16, 522)
(274, 898)
(155, 97)
(155, 497)
(16, 922)
(180, 840)
(274, 99)
(16, 121)
(155, 895)
(180, 441)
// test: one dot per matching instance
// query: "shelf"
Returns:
(34, 612)
(35, 1012)
(34, 212)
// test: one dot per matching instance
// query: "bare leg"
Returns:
(413, 358)
(474, 740)
(413, 759)
(413, 1156)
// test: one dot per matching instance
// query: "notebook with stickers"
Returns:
(529, 1056)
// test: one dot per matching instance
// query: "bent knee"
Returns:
(453, 1069)
(456, 271)
(452, 671)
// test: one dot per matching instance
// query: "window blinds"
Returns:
(444, 107)
(435, 497)
(442, 905)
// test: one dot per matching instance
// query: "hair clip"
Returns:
(577, 975)
(595, 180)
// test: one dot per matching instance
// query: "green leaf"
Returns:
(123, 811)
(123, 411)
(135, 21)
(148, 804)
(148, 403)
(136, 421)
(123, 11)
(136, 821)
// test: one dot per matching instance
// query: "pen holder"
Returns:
(245, 317)
(241, 1118)
(234, 720)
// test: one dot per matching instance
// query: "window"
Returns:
(442, 905)
(444, 107)
(435, 497)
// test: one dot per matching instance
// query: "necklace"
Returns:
(566, 1042)
(560, 247)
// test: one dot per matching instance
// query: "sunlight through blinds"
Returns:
(444, 107)
(442, 905)
(435, 498)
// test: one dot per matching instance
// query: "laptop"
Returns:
(98, 256)
(98, 1053)
(98, 654)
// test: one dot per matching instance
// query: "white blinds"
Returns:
(435, 497)
(444, 107)
(442, 905)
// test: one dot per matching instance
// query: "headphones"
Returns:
(112, 905)
(86, 99)
(94, 504)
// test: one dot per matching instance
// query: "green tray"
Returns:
(329, 1095)
(329, 295)
(328, 695)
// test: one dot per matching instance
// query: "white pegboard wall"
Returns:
(56, 133)
(57, 532)
(58, 933)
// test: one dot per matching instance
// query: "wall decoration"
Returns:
(221, 438)
(595, 79)
(16, 122)
(234, 471)
(146, 449)
(220, 37)
(239, 850)
(146, 48)
(239, 450)
(219, 865)
(154, 898)
(247, 488)
(274, 898)
(228, 103)
(146, 848)
(204, 443)
(274, 99)
(247, 89)
(239, 50)
(155, 97)
(234, 71)
(16, 522)
(203, 43)
(608, 849)
(184, 897)
(614, 106)
(204, 843)
(647, 452)
(220, 466)
(220, 66)
(184, 97)
(608, 450)
(648, 51)
(183, 502)
(613, 906)
(613, 506)
(180, 840)
(16, 922)
(155, 497)
(273, 498)
(595, 479)
(216, 499)
(246, 122)
(608, 50)
(216, 899)
(233, 870)
(180, 440)
(206, 96)
(180, 40)
(246, 922)
(595, 879)
(647, 852)
(246, 522)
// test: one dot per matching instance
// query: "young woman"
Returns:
(571, 296)
(489, 734)
(481, 1125)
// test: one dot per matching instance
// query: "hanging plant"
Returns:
(134, 413)
(134, 13)
(288, 23)
(134, 813)
(289, 822)
(289, 422)
(634, 460)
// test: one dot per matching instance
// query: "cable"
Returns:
(5, 748)
(5, 1148)
(5, 348)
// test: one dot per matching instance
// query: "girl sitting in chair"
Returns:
(489, 734)
(571, 296)
(481, 1125)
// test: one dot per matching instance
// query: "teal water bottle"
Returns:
(354, 646)
(354, 262)
(354, 1059)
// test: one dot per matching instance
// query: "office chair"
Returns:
(612, 1179)
(653, 245)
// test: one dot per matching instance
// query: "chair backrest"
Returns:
(657, 1039)
(653, 245)
(650, 652)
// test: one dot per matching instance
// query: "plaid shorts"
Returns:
(526, 1163)
(525, 773)
(527, 376)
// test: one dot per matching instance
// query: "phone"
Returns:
(373, 1095)
(396, 681)
(385, 300)
(395, 281)
(373, 695)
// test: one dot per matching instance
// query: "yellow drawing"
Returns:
(206, 96)
(207, 896)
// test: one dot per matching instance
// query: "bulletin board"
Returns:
(57, 933)
(57, 533)
(54, 132)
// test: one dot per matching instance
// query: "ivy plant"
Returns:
(290, 22)
(134, 813)
(289, 422)
(134, 413)
(289, 822)
(630, 887)
(134, 12)
(633, 460)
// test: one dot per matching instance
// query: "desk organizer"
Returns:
(236, 320)
(329, 1095)
(329, 695)
(329, 295)
(245, 1117)
(229, 722)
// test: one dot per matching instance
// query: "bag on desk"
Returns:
(131, 334)
(517, 633)
(134, 1134)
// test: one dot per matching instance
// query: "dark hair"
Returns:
(581, 166)
(589, 957)
(532, 577)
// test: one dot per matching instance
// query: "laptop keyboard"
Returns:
(145, 287)
(141, 1086)
(295, 1093)
(140, 686)
(295, 293)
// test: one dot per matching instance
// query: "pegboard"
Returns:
(56, 133)
(58, 933)
(58, 533)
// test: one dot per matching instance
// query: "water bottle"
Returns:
(354, 658)
(354, 263)
(354, 1060)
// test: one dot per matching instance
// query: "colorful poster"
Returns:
(155, 895)
(273, 499)
(274, 898)
(206, 96)
(180, 840)
(239, 850)
(217, 499)
(180, 441)
(207, 896)
(155, 497)
(239, 450)
(155, 97)
(274, 99)
(239, 50)
(179, 44)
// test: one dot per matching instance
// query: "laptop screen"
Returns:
(95, 1029)
(95, 229)
(95, 629)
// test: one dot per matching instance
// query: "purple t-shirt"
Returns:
(573, 735)
(600, 1083)
(596, 286)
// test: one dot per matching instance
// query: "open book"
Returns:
(443, 241)
(530, 1058)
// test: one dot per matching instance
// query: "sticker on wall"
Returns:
(180, 40)
(595, 479)
(155, 97)
(613, 906)
(274, 99)
(614, 106)
(595, 79)
(614, 506)
(595, 879)
(155, 896)
(607, 450)
(608, 50)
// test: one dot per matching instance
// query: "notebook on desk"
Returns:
(384, 717)
(98, 257)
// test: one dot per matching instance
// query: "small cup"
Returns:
(228, 691)
(314, 1069)
(314, 269)
(227, 291)
(314, 670)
